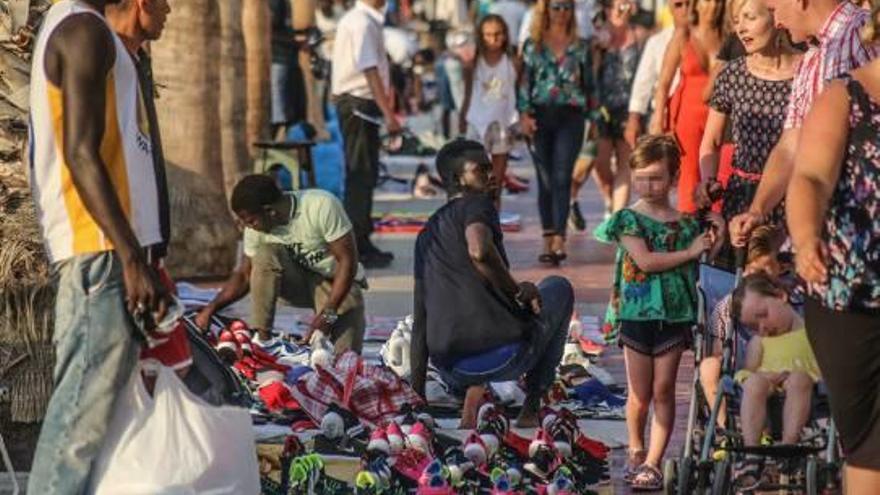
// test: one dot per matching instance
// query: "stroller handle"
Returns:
(740, 258)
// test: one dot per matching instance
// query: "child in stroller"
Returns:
(762, 256)
(778, 359)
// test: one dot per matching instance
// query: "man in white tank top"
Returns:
(95, 186)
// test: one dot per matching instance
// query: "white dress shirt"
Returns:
(648, 73)
(359, 46)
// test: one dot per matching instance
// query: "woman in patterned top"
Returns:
(833, 210)
(618, 56)
(751, 95)
(554, 93)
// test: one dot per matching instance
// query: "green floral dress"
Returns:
(668, 296)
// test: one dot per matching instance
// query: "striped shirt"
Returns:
(126, 151)
(839, 50)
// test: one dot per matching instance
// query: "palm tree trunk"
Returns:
(198, 137)
(233, 88)
(256, 26)
(186, 67)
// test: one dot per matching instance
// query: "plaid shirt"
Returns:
(374, 394)
(839, 50)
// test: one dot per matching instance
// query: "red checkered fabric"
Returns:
(374, 394)
(840, 50)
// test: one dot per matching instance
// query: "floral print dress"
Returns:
(852, 225)
(668, 296)
(551, 81)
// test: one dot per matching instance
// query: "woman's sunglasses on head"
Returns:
(562, 6)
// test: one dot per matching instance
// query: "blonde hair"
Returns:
(541, 22)
(652, 149)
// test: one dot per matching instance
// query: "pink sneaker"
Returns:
(419, 437)
(475, 449)
(395, 437)
(379, 442)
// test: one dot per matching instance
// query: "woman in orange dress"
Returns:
(693, 51)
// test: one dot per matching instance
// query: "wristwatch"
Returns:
(330, 316)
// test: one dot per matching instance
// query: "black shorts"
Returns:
(847, 348)
(654, 337)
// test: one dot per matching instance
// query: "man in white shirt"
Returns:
(649, 72)
(361, 85)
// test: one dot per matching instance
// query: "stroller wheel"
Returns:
(721, 481)
(812, 475)
(670, 473)
(685, 473)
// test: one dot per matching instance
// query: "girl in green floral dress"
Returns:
(653, 299)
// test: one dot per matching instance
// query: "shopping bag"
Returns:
(174, 443)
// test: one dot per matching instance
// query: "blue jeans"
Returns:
(539, 356)
(557, 143)
(96, 349)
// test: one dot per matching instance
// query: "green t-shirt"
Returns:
(318, 219)
(668, 296)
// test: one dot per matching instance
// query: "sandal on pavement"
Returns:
(746, 475)
(647, 478)
(635, 458)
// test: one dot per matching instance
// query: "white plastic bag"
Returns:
(174, 443)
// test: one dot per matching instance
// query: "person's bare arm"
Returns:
(235, 287)
(819, 161)
(653, 262)
(80, 54)
(489, 263)
(754, 354)
(709, 154)
(771, 189)
(671, 61)
(466, 103)
(382, 98)
(345, 254)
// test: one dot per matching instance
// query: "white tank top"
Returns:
(493, 95)
(68, 228)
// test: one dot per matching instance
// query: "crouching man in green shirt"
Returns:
(300, 247)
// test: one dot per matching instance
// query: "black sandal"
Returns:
(647, 479)
(548, 257)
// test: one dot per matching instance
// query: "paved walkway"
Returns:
(589, 267)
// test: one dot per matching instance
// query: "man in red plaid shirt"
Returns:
(832, 29)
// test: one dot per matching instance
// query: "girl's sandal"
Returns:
(635, 458)
(647, 478)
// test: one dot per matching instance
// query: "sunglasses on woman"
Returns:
(561, 6)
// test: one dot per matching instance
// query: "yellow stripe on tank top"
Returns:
(87, 235)
(113, 154)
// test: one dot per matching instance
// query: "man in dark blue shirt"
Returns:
(474, 321)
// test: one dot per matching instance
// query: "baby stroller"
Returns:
(710, 451)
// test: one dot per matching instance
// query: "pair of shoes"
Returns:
(372, 257)
(391, 440)
(576, 218)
